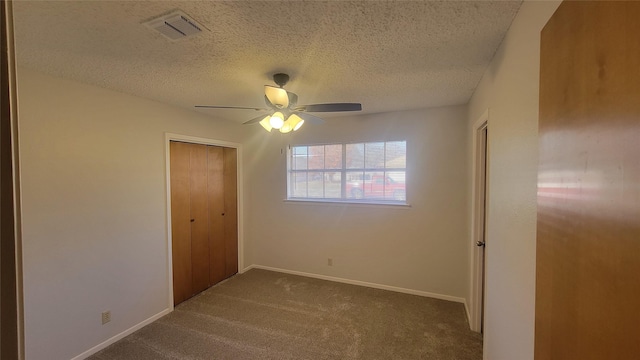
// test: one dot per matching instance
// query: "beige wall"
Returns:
(509, 89)
(94, 209)
(422, 247)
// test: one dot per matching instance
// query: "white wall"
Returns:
(423, 247)
(94, 209)
(509, 89)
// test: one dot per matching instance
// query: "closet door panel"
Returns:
(231, 210)
(199, 219)
(180, 221)
(215, 196)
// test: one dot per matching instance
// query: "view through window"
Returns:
(362, 172)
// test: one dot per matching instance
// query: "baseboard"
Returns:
(466, 310)
(361, 283)
(121, 335)
(242, 271)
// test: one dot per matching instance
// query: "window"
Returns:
(361, 172)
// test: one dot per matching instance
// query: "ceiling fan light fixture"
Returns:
(290, 124)
(278, 97)
(293, 123)
(296, 121)
(277, 120)
(286, 128)
(266, 124)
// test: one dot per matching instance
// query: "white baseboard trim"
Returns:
(361, 283)
(121, 335)
(466, 310)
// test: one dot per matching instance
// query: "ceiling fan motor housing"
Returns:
(280, 79)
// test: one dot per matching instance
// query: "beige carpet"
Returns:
(269, 315)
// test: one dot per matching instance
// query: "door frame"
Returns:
(11, 262)
(477, 254)
(203, 141)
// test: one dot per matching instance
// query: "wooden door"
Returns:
(180, 159)
(216, 214)
(203, 216)
(481, 211)
(588, 236)
(199, 218)
(223, 212)
(479, 230)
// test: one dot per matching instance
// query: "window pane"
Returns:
(333, 156)
(355, 156)
(333, 185)
(395, 186)
(395, 155)
(354, 188)
(397, 176)
(299, 158)
(374, 185)
(374, 155)
(298, 184)
(316, 157)
(316, 184)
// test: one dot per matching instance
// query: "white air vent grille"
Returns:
(175, 26)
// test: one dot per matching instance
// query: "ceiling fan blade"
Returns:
(330, 107)
(277, 96)
(255, 119)
(293, 99)
(229, 107)
(311, 119)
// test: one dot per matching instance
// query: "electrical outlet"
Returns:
(330, 261)
(106, 317)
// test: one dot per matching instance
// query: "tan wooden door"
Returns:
(588, 242)
(203, 216)
(223, 212)
(180, 154)
(217, 254)
(199, 218)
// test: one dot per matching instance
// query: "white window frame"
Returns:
(343, 170)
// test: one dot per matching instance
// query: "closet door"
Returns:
(199, 219)
(216, 190)
(223, 213)
(204, 224)
(180, 220)
(189, 220)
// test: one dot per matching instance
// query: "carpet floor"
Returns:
(269, 315)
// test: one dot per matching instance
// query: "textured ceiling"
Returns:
(391, 55)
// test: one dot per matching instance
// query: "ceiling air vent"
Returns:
(175, 26)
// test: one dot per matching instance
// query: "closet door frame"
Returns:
(203, 141)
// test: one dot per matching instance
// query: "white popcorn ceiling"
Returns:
(391, 55)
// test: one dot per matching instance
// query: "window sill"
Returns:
(377, 204)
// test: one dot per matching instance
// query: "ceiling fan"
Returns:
(283, 112)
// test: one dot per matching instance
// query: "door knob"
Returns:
(479, 243)
(192, 220)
